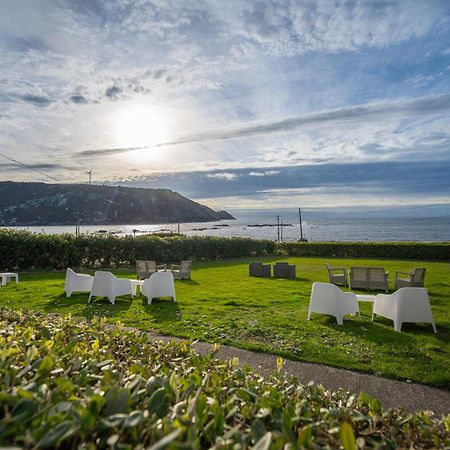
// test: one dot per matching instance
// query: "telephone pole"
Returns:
(278, 228)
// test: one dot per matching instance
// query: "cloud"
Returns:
(78, 99)
(365, 184)
(228, 176)
(291, 27)
(249, 88)
(113, 92)
(37, 100)
(385, 110)
(265, 173)
(109, 151)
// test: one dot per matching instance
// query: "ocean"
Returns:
(317, 226)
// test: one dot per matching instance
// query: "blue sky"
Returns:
(237, 104)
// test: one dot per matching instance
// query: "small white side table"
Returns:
(366, 299)
(135, 284)
(8, 276)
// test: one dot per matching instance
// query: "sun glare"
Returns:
(142, 126)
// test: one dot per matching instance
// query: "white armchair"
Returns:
(77, 282)
(408, 304)
(107, 285)
(326, 298)
(160, 284)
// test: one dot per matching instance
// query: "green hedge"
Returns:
(21, 250)
(69, 385)
(431, 251)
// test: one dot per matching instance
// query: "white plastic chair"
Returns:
(77, 282)
(408, 304)
(326, 298)
(108, 285)
(160, 284)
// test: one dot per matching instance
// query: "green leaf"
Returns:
(305, 436)
(258, 429)
(55, 436)
(347, 437)
(264, 442)
(23, 410)
(375, 406)
(133, 419)
(166, 440)
(45, 332)
(116, 401)
(46, 365)
(158, 403)
(219, 422)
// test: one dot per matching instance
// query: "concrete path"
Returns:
(391, 393)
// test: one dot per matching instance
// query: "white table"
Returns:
(8, 276)
(365, 298)
(135, 284)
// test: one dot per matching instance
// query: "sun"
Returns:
(142, 126)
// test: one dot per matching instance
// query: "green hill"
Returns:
(65, 204)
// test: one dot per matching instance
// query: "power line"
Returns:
(29, 167)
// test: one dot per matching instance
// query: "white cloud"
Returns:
(228, 176)
(290, 27)
(265, 173)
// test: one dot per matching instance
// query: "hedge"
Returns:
(21, 250)
(430, 251)
(68, 385)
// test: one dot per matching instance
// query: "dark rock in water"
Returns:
(66, 204)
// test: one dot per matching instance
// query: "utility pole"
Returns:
(281, 231)
(77, 227)
(302, 239)
(278, 228)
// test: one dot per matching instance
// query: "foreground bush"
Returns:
(22, 250)
(71, 385)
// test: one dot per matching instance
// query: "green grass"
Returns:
(223, 304)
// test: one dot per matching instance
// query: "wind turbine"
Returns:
(90, 176)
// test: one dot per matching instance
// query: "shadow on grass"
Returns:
(162, 310)
(102, 307)
(382, 332)
(188, 282)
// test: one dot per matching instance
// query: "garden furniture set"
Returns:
(280, 270)
(408, 304)
(105, 284)
(374, 278)
(144, 269)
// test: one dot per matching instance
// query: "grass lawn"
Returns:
(223, 304)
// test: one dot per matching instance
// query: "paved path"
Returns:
(391, 393)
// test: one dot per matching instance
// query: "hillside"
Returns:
(65, 204)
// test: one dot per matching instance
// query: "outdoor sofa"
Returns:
(373, 278)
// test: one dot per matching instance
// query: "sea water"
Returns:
(317, 226)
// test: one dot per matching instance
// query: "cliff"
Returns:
(65, 204)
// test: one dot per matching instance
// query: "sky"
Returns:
(235, 104)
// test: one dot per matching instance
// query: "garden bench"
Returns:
(368, 278)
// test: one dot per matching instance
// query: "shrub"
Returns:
(23, 250)
(432, 251)
(73, 385)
